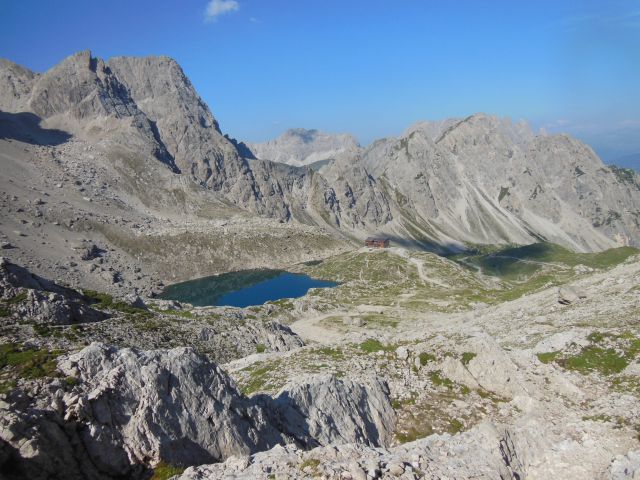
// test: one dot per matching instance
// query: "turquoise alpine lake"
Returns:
(243, 288)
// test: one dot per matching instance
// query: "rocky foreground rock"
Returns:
(482, 452)
(44, 301)
(120, 412)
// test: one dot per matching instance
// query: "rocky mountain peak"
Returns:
(299, 146)
(480, 179)
(16, 82)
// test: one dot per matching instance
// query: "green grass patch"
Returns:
(607, 354)
(17, 362)
(626, 384)
(260, 378)
(547, 357)
(17, 299)
(71, 381)
(43, 330)
(379, 320)
(414, 433)
(175, 313)
(523, 263)
(597, 418)
(425, 358)
(372, 267)
(398, 404)
(104, 301)
(467, 357)
(283, 303)
(455, 426)
(606, 361)
(373, 345)
(260, 348)
(164, 471)
(148, 326)
(7, 386)
(311, 463)
(438, 379)
(625, 175)
(596, 337)
(334, 353)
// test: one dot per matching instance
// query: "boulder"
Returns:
(626, 467)
(14, 277)
(44, 301)
(89, 252)
(325, 409)
(276, 336)
(494, 370)
(568, 295)
(453, 369)
(402, 353)
(135, 301)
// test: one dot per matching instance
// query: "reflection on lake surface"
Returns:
(243, 288)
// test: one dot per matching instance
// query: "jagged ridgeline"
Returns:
(442, 185)
(505, 346)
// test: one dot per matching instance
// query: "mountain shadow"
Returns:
(25, 127)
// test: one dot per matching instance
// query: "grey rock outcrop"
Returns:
(276, 336)
(129, 410)
(82, 95)
(17, 83)
(626, 467)
(273, 336)
(15, 277)
(160, 405)
(495, 371)
(325, 410)
(40, 300)
(473, 454)
(567, 295)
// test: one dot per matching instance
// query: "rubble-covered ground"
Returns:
(513, 363)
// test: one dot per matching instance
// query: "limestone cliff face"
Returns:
(476, 180)
(442, 184)
(486, 180)
(147, 107)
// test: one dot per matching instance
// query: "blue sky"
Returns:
(367, 67)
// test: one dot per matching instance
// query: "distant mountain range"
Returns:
(441, 185)
(479, 180)
(300, 147)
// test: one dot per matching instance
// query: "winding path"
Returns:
(401, 252)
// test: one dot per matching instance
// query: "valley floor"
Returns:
(529, 369)
(555, 384)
